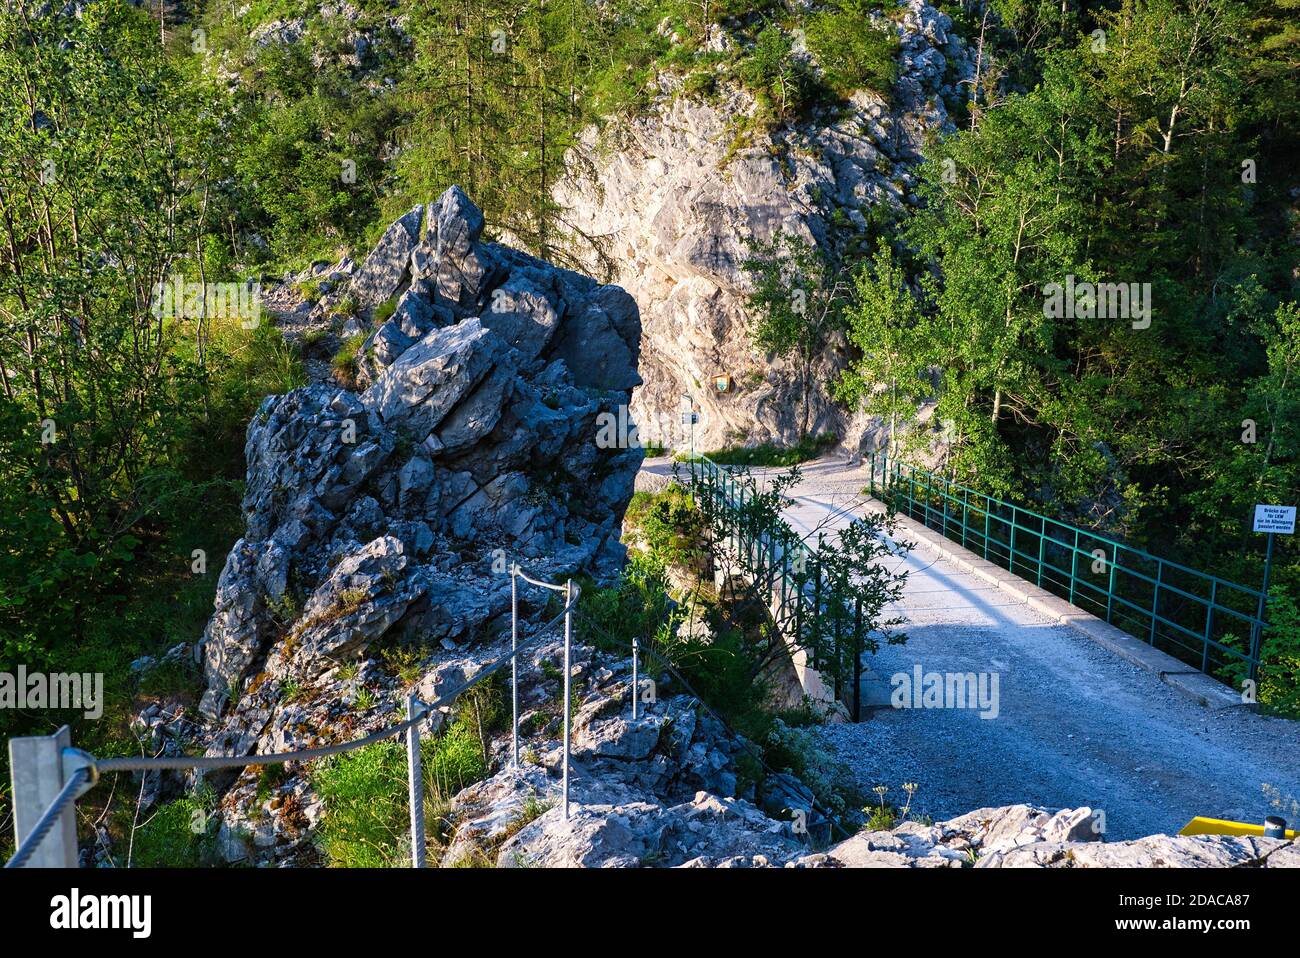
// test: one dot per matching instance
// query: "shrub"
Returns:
(852, 53)
(778, 81)
(1279, 671)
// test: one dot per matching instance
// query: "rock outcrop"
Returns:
(392, 515)
(676, 192)
(1023, 836)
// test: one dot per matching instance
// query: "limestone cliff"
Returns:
(662, 204)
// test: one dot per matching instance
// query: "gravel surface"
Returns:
(1076, 725)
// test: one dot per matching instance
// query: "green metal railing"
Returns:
(1195, 616)
(814, 611)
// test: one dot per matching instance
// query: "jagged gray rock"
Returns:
(389, 516)
(381, 275)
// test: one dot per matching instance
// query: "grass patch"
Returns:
(178, 834)
(345, 361)
(770, 454)
(366, 821)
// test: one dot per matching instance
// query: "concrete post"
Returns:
(36, 764)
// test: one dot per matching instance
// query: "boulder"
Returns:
(387, 267)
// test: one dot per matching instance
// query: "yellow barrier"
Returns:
(1217, 826)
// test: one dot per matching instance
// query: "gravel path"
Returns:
(1076, 725)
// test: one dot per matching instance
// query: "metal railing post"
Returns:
(817, 607)
(1155, 600)
(1110, 588)
(857, 662)
(568, 641)
(1074, 566)
(636, 688)
(415, 779)
(1209, 625)
(1011, 554)
(36, 772)
(1042, 544)
(514, 664)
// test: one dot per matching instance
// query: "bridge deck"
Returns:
(1077, 724)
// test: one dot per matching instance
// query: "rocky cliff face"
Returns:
(392, 514)
(671, 197)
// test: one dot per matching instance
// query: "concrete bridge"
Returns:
(1086, 715)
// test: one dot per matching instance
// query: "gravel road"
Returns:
(1076, 725)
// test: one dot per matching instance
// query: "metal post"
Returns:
(839, 654)
(1256, 627)
(415, 780)
(1110, 589)
(1042, 542)
(514, 664)
(36, 770)
(1209, 625)
(857, 662)
(946, 487)
(817, 606)
(636, 689)
(1011, 555)
(1155, 600)
(568, 641)
(1074, 565)
(986, 527)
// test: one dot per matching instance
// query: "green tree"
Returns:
(799, 293)
(891, 376)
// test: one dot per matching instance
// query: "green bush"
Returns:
(852, 53)
(777, 80)
(668, 527)
(1279, 670)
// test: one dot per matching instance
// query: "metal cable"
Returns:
(34, 838)
(72, 786)
(304, 755)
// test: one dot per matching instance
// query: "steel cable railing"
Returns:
(90, 768)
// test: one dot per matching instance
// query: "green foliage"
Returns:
(801, 753)
(853, 53)
(1279, 672)
(384, 311)
(178, 834)
(798, 298)
(778, 81)
(365, 806)
(346, 359)
(890, 331)
(366, 822)
(668, 527)
(769, 454)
